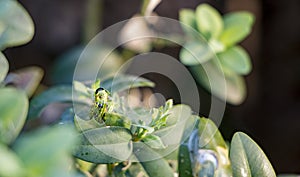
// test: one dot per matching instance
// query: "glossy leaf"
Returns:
(209, 135)
(46, 152)
(235, 59)
(248, 159)
(229, 87)
(104, 145)
(10, 164)
(52, 95)
(27, 79)
(84, 125)
(4, 66)
(13, 112)
(154, 142)
(16, 24)
(237, 26)
(143, 154)
(195, 53)
(187, 16)
(184, 162)
(124, 82)
(209, 21)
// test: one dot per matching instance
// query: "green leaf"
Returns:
(10, 164)
(4, 66)
(152, 161)
(16, 24)
(154, 142)
(104, 145)
(235, 59)
(124, 82)
(13, 112)
(209, 136)
(187, 16)
(237, 26)
(84, 125)
(27, 79)
(229, 87)
(64, 66)
(195, 53)
(184, 162)
(248, 159)
(55, 94)
(209, 21)
(46, 152)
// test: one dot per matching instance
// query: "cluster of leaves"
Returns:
(216, 49)
(123, 137)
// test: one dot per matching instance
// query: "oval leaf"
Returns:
(235, 59)
(13, 112)
(46, 152)
(104, 145)
(237, 26)
(54, 94)
(4, 66)
(17, 25)
(10, 164)
(195, 53)
(209, 21)
(27, 79)
(248, 159)
(228, 87)
(184, 162)
(143, 153)
(64, 67)
(154, 142)
(187, 16)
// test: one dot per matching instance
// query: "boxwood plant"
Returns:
(98, 133)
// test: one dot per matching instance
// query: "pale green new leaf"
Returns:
(187, 16)
(4, 66)
(195, 53)
(10, 164)
(16, 25)
(237, 26)
(13, 112)
(235, 59)
(248, 159)
(209, 21)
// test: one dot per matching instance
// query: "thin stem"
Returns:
(93, 19)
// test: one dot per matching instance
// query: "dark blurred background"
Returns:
(271, 112)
